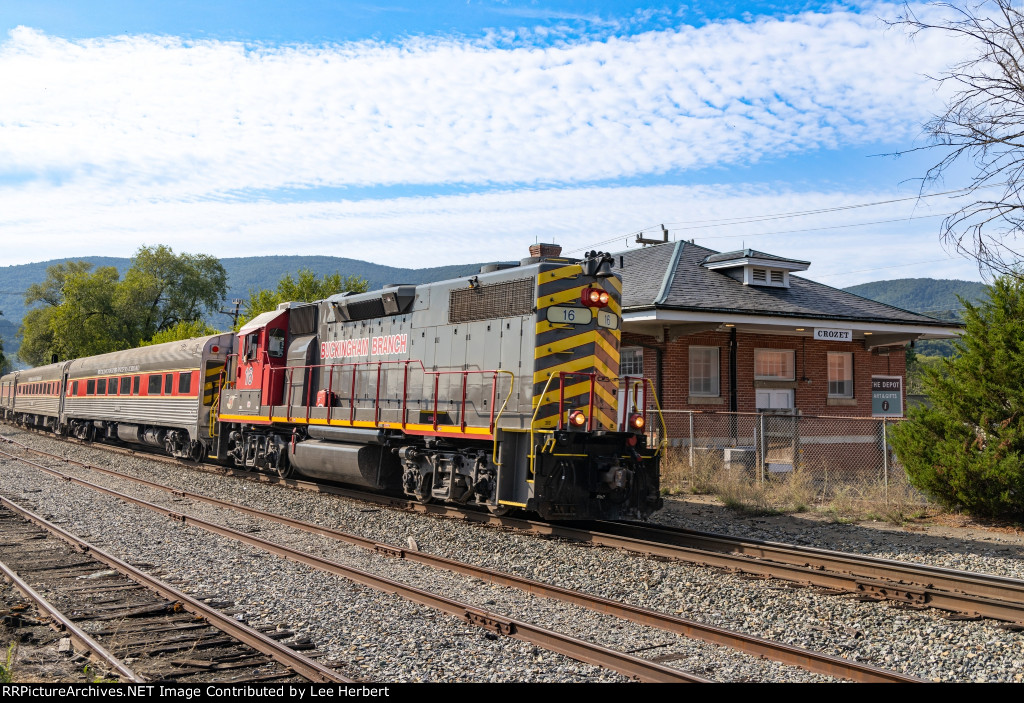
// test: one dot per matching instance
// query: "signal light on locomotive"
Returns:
(577, 418)
(636, 421)
(595, 297)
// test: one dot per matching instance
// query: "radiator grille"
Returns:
(507, 299)
(366, 309)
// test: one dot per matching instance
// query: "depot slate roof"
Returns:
(670, 277)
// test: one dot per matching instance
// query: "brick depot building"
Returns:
(738, 332)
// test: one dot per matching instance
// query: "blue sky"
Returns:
(423, 134)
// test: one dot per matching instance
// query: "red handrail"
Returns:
(288, 372)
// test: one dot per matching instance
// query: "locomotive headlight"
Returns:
(577, 418)
(636, 421)
(595, 297)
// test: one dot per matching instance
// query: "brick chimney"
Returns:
(545, 250)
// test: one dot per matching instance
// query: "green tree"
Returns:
(182, 330)
(306, 289)
(36, 332)
(86, 312)
(163, 289)
(967, 449)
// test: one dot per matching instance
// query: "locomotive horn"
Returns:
(598, 264)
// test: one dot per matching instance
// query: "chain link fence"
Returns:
(831, 455)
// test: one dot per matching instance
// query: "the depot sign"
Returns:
(887, 396)
(830, 335)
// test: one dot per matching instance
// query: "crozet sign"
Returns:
(831, 335)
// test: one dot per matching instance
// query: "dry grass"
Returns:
(845, 498)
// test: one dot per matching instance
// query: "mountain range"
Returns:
(930, 296)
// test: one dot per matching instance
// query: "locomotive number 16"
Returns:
(571, 316)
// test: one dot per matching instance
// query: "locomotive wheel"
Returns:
(499, 510)
(422, 493)
(286, 471)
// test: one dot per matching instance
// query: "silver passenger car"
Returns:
(159, 395)
(34, 396)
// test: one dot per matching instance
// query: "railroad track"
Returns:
(962, 593)
(138, 628)
(811, 661)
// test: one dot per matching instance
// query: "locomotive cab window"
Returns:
(184, 382)
(275, 343)
(252, 343)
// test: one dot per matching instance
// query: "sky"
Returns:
(449, 132)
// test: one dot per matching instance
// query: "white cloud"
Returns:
(179, 119)
(108, 144)
(421, 232)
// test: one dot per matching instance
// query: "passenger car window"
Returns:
(184, 382)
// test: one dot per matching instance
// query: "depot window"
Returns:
(774, 365)
(840, 374)
(631, 362)
(704, 375)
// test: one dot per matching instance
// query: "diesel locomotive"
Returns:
(499, 390)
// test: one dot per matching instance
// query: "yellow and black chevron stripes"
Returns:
(577, 387)
(213, 372)
(575, 349)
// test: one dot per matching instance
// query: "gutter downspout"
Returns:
(733, 395)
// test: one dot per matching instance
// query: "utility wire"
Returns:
(723, 222)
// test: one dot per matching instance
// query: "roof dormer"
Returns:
(755, 268)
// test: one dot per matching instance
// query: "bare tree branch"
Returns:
(982, 125)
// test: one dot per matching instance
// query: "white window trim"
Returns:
(716, 372)
(792, 365)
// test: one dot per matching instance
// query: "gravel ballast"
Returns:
(380, 637)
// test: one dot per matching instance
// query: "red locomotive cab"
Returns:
(262, 345)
